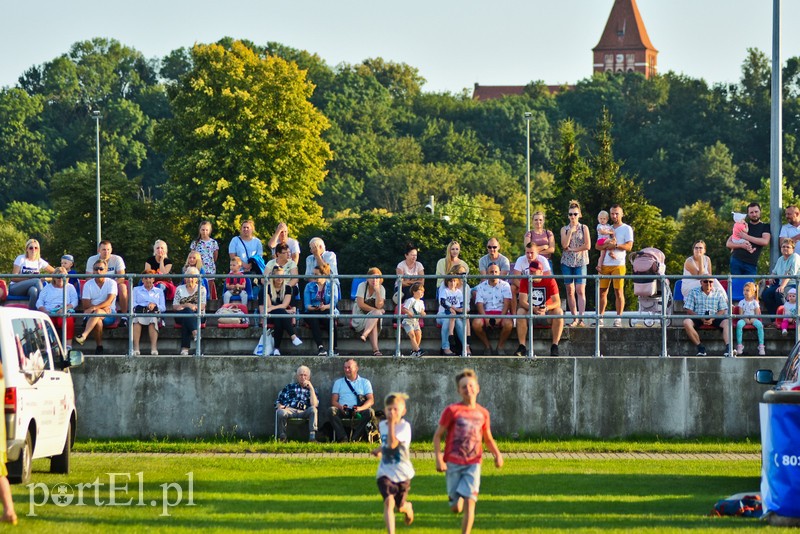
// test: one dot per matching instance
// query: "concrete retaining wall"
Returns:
(606, 397)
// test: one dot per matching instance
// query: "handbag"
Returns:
(266, 344)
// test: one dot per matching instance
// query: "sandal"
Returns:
(377, 353)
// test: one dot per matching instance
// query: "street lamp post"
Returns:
(528, 116)
(96, 115)
(776, 134)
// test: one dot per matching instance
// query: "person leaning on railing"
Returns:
(786, 267)
(320, 296)
(51, 302)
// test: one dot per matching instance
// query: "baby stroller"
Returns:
(648, 290)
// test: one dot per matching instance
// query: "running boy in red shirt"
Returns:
(467, 426)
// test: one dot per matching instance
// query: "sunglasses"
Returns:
(99, 269)
(33, 248)
(706, 282)
(490, 247)
(573, 214)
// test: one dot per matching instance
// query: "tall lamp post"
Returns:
(528, 116)
(96, 115)
(776, 134)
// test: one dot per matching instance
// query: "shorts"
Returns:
(398, 489)
(716, 323)
(410, 325)
(577, 275)
(462, 481)
(613, 270)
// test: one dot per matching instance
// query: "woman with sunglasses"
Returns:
(575, 245)
(29, 263)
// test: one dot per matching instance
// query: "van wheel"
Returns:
(19, 471)
(60, 464)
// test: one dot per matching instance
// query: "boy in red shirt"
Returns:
(467, 425)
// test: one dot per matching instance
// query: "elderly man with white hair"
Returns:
(298, 400)
(320, 255)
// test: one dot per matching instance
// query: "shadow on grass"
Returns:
(510, 502)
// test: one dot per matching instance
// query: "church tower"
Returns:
(624, 45)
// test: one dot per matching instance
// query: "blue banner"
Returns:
(780, 465)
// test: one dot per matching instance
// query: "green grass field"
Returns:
(316, 494)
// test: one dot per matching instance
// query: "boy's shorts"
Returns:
(398, 489)
(462, 481)
(408, 326)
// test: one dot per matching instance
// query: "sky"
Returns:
(453, 44)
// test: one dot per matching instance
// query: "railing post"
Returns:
(397, 313)
(331, 315)
(598, 317)
(465, 316)
(666, 295)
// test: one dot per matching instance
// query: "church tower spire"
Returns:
(625, 45)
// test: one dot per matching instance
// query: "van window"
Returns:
(55, 346)
(31, 348)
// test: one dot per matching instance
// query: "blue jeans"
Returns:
(740, 267)
(444, 320)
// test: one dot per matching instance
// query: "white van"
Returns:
(39, 398)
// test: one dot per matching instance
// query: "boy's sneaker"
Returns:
(617, 323)
(701, 350)
(554, 349)
(521, 351)
(761, 350)
(420, 353)
(297, 341)
(729, 352)
(321, 351)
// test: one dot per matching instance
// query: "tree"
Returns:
(700, 221)
(35, 221)
(712, 176)
(24, 163)
(12, 242)
(244, 141)
(571, 170)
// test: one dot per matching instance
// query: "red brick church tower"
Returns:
(624, 45)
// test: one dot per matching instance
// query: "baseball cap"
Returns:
(535, 265)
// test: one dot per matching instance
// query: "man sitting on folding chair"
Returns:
(297, 400)
(352, 401)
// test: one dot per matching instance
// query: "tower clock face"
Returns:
(620, 57)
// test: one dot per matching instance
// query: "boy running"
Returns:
(395, 470)
(467, 425)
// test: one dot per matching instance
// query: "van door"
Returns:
(34, 399)
(60, 383)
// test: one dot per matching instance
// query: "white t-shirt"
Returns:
(27, 266)
(624, 234)
(97, 294)
(748, 307)
(396, 463)
(294, 247)
(788, 230)
(116, 264)
(522, 264)
(492, 297)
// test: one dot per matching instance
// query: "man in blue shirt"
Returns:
(352, 399)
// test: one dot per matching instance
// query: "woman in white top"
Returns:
(189, 298)
(370, 299)
(408, 267)
(147, 298)
(29, 263)
(698, 264)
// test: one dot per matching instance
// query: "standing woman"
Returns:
(29, 263)
(544, 239)
(278, 301)
(575, 245)
(370, 299)
(409, 267)
(159, 263)
(450, 260)
(189, 298)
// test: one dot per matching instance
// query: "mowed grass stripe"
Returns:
(299, 495)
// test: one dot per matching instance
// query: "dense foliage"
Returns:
(236, 129)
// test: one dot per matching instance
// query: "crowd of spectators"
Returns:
(495, 300)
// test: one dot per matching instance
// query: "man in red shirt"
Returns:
(543, 299)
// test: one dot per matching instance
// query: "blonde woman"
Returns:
(29, 263)
(451, 259)
(370, 299)
(160, 264)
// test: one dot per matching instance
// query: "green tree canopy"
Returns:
(244, 141)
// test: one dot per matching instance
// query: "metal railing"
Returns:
(664, 316)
